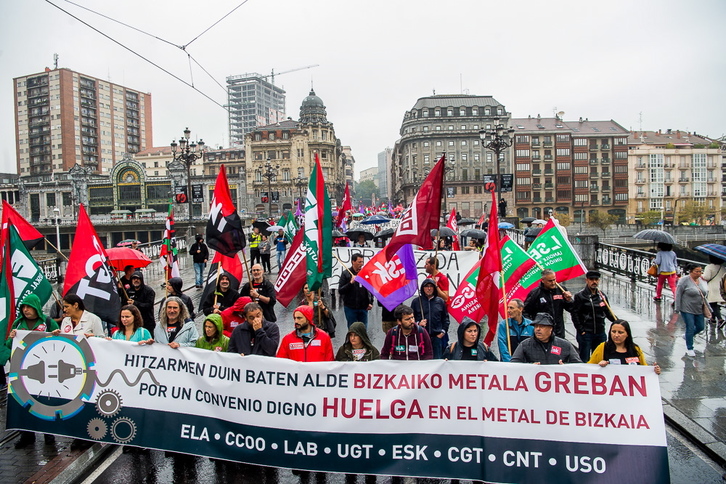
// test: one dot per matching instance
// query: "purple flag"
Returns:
(392, 281)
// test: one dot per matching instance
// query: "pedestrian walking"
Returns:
(691, 303)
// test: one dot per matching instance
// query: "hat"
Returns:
(199, 237)
(306, 311)
(544, 319)
(592, 275)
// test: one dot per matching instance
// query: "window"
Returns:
(563, 166)
(438, 143)
(523, 166)
(463, 126)
(523, 195)
(580, 142)
(478, 189)
(562, 138)
(487, 112)
(425, 129)
(464, 190)
(451, 143)
(451, 127)
(437, 112)
(437, 128)
(449, 112)
(425, 113)
(271, 136)
(463, 142)
(522, 153)
(475, 111)
(522, 138)
(462, 111)
(581, 156)
(563, 151)
(524, 181)
(621, 155)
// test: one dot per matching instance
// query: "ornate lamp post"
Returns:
(56, 212)
(301, 183)
(188, 154)
(269, 172)
(497, 139)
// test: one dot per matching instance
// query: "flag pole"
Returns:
(343, 264)
(602, 296)
(506, 315)
(216, 282)
(56, 249)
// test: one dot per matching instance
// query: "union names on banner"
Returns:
(497, 422)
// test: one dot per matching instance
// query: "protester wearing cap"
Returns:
(306, 342)
(545, 348)
(549, 297)
(590, 308)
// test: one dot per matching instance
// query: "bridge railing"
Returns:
(632, 263)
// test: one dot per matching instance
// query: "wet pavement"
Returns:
(693, 391)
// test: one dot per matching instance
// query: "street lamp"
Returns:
(188, 154)
(497, 139)
(269, 172)
(56, 212)
(300, 182)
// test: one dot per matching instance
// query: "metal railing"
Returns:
(632, 263)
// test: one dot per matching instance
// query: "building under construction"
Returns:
(253, 101)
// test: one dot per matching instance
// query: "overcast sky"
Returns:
(627, 60)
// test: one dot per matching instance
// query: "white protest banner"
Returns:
(497, 422)
(455, 264)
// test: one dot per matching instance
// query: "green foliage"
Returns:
(564, 219)
(364, 190)
(699, 146)
(651, 217)
(602, 220)
(713, 145)
(692, 212)
(670, 146)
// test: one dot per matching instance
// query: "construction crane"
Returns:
(273, 74)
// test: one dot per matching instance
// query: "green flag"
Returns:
(318, 230)
(27, 278)
(552, 250)
(289, 225)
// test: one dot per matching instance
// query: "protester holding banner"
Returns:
(357, 301)
(213, 338)
(429, 311)
(132, 326)
(175, 327)
(545, 348)
(255, 335)
(224, 297)
(549, 297)
(79, 321)
(357, 346)
(262, 291)
(305, 342)
(469, 347)
(142, 296)
(691, 303)
(589, 311)
(408, 340)
(620, 349)
(234, 316)
(520, 328)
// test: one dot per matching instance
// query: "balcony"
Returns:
(640, 195)
(536, 158)
(606, 188)
(639, 181)
(549, 171)
(605, 147)
(535, 144)
(536, 186)
(594, 202)
(594, 175)
(605, 161)
(536, 172)
(593, 161)
(549, 200)
(607, 201)
(606, 174)
(537, 200)
(641, 166)
(593, 147)
(549, 185)
(548, 157)
(594, 188)
(547, 143)
(683, 180)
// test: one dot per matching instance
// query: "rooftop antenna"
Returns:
(640, 121)
(55, 61)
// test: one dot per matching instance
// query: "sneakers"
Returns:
(49, 439)
(26, 439)
(690, 353)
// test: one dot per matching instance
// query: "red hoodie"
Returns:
(233, 316)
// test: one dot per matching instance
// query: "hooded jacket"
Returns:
(414, 346)
(432, 310)
(199, 251)
(234, 316)
(367, 353)
(542, 300)
(143, 298)
(220, 341)
(456, 350)
(550, 352)
(267, 289)
(224, 299)
(176, 284)
(316, 348)
(517, 333)
(44, 323)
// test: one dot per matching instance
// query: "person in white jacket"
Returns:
(79, 321)
(714, 274)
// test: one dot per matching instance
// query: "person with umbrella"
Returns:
(667, 263)
(361, 242)
(714, 274)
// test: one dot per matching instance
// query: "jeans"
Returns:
(716, 311)
(662, 278)
(353, 315)
(587, 342)
(439, 345)
(280, 259)
(199, 273)
(694, 325)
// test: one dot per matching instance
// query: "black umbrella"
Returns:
(528, 220)
(338, 233)
(443, 231)
(466, 221)
(474, 233)
(656, 236)
(385, 233)
(354, 234)
(261, 224)
(375, 219)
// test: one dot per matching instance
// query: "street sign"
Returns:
(198, 193)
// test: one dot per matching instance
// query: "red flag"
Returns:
(345, 206)
(488, 286)
(30, 235)
(453, 225)
(423, 215)
(291, 278)
(89, 274)
(482, 219)
(7, 291)
(224, 228)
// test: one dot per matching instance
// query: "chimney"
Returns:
(678, 134)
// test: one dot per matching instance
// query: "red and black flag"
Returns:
(224, 228)
(29, 234)
(230, 266)
(89, 275)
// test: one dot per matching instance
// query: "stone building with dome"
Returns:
(288, 147)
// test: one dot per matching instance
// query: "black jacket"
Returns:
(354, 295)
(541, 300)
(432, 310)
(144, 298)
(225, 300)
(202, 254)
(176, 284)
(262, 342)
(555, 349)
(589, 312)
(267, 289)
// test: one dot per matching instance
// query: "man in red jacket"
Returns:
(306, 342)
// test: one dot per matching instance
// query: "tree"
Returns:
(651, 217)
(692, 212)
(563, 219)
(364, 191)
(602, 220)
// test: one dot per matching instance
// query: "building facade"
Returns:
(384, 173)
(569, 167)
(671, 170)
(369, 174)
(289, 148)
(252, 102)
(64, 118)
(448, 124)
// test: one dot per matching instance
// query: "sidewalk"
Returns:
(693, 389)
